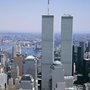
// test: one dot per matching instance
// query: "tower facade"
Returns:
(47, 50)
(66, 43)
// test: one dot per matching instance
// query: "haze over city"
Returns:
(26, 15)
(44, 45)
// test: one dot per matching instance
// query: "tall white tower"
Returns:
(66, 43)
(47, 50)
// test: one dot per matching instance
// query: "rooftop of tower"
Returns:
(67, 16)
(47, 15)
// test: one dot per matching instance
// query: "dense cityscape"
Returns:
(43, 50)
(14, 49)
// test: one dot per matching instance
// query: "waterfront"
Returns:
(24, 51)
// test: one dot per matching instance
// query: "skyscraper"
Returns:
(47, 50)
(79, 62)
(66, 43)
(83, 47)
(16, 49)
(30, 67)
(88, 46)
(57, 76)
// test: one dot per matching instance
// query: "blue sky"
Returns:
(26, 15)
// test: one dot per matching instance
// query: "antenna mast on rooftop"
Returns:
(48, 6)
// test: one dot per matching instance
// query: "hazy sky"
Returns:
(26, 15)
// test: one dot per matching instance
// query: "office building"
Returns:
(66, 43)
(18, 60)
(3, 59)
(58, 82)
(89, 46)
(79, 62)
(30, 67)
(86, 70)
(74, 60)
(16, 50)
(83, 47)
(26, 82)
(47, 50)
(14, 71)
(3, 80)
(69, 82)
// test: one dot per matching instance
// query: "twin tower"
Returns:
(48, 47)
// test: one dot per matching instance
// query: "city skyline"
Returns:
(26, 15)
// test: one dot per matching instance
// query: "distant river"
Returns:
(28, 51)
